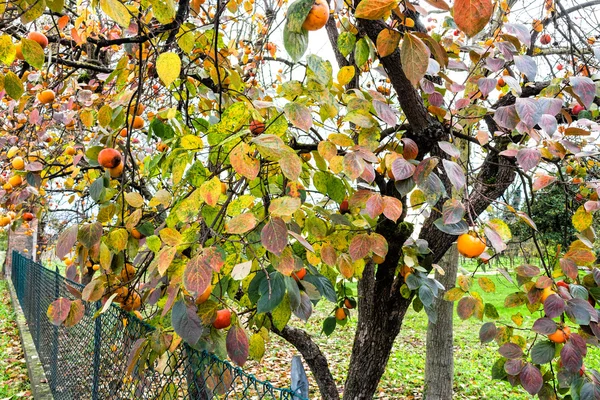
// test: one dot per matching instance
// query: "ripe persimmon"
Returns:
(116, 171)
(470, 245)
(27, 216)
(4, 221)
(109, 158)
(18, 163)
(317, 16)
(300, 274)
(46, 96)
(38, 37)
(132, 302)
(257, 127)
(19, 51)
(136, 234)
(561, 335)
(70, 151)
(349, 303)
(138, 122)
(378, 259)
(162, 147)
(547, 292)
(223, 319)
(123, 132)
(340, 314)
(15, 180)
(127, 273)
(204, 296)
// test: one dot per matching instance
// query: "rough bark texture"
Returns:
(439, 361)
(314, 358)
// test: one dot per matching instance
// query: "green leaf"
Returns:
(55, 5)
(361, 52)
(33, 53)
(256, 349)
(32, 11)
(8, 50)
(295, 43)
(90, 234)
(168, 67)
(13, 85)
(346, 42)
(272, 293)
(117, 11)
(164, 10)
(282, 313)
(297, 13)
(329, 325)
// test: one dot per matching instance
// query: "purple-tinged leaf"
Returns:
(58, 311)
(584, 88)
(579, 343)
(436, 99)
(531, 379)
(402, 169)
(581, 311)
(186, 322)
(455, 174)
(571, 358)
(569, 267)
(528, 158)
(590, 391)
(452, 211)
(494, 64)
(520, 31)
(237, 345)
(424, 169)
(385, 112)
(527, 110)
(554, 306)
(514, 367)
(506, 117)
(544, 326)
(274, 235)
(449, 148)
(451, 229)
(527, 66)
(549, 105)
(510, 351)
(527, 270)
(374, 205)
(495, 239)
(196, 276)
(304, 309)
(486, 85)
(66, 241)
(548, 123)
(487, 332)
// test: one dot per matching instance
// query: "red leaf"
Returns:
(392, 208)
(510, 351)
(410, 150)
(542, 181)
(379, 245)
(328, 254)
(66, 241)
(243, 163)
(237, 345)
(197, 276)
(360, 246)
(274, 235)
(402, 169)
(375, 205)
(58, 311)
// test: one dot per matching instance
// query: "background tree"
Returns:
(221, 185)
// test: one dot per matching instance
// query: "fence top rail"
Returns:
(19, 258)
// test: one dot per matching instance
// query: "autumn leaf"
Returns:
(168, 67)
(374, 9)
(387, 42)
(415, 58)
(471, 16)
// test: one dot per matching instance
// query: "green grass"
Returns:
(14, 382)
(404, 374)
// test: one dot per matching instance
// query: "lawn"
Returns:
(404, 375)
(14, 382)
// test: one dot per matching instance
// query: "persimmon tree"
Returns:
(251, 179)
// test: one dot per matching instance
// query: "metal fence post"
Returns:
(37, 302)
(54, 356)
(299, 379)
(97, 343)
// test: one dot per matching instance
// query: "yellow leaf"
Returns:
(117, 11)
(168, 67)
(345, 74)
(374, 9)
(134, 199)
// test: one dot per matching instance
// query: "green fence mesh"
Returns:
(89, 360)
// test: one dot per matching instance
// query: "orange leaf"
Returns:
(387, 42)
(471, 16)
(243, 163)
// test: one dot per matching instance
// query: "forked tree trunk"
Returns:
(439, 363)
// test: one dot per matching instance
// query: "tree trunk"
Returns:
(439, 364)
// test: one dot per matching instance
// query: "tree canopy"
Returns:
(220, 178)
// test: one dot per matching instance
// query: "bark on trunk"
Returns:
(439, 363)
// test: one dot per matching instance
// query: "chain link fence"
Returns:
(90, 360)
